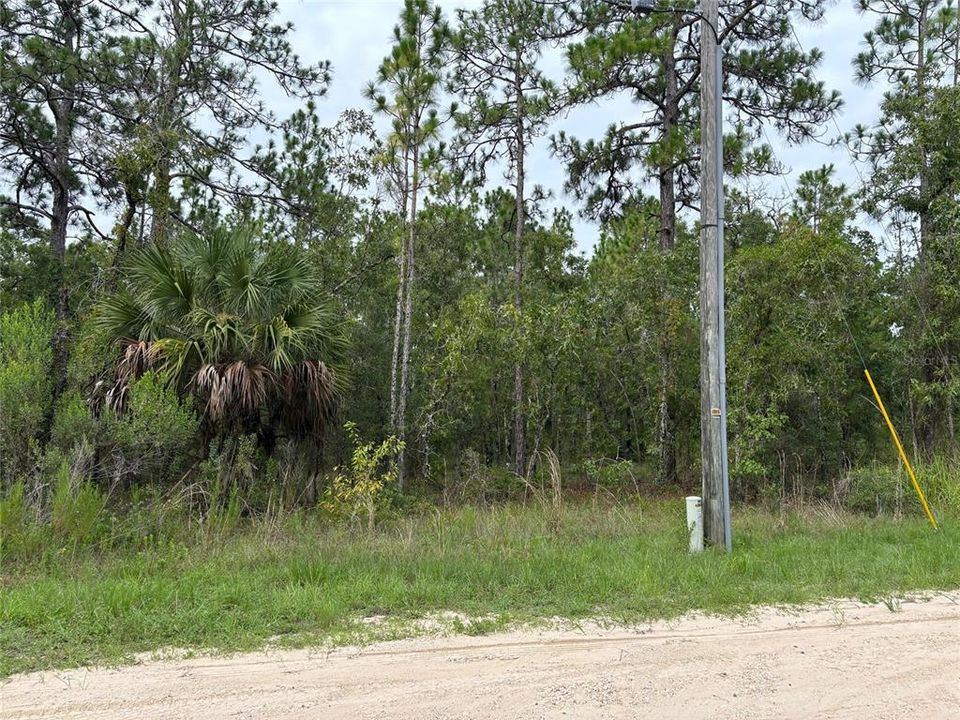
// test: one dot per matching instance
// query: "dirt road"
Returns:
(844, 661)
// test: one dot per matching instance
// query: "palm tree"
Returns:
(239, 324)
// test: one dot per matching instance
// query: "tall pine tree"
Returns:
(507, 102)
(914, 187)
(407, 91)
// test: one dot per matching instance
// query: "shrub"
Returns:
(361, 488)
(19, 531)
(156, 433)
(886, 489)
(25, 385)
(611, 474)
(475, 481)
(940, 480)
(876, 490)
(230, 473)
(73, 423)
(753, 440)
(152, 440)
(75, 508)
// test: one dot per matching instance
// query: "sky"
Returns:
(354, 35)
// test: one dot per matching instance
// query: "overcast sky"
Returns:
(354, 35)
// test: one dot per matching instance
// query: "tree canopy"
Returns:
(176, 255)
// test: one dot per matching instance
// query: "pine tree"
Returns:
(199, 99)
(507, 102)
(406, 90)
(59, 102)
(655, 61)
(913, 185)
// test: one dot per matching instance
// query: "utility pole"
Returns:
(713, 360)
(715, 475)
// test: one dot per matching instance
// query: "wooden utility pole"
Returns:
(713, 392)
(713, 354)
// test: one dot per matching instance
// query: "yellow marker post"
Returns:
(903, 454)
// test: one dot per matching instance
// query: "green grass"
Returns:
(309, 582)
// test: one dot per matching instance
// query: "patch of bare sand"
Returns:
(841, 660)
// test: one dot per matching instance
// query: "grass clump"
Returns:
(300, 580)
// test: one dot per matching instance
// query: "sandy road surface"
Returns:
(844, 661)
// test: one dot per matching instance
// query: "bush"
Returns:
(940, 481)
(157, 433)
(151, 441)
(361, 488)
(19, 532)
(887, 490)
(73, 423)
(753, 456)
(611, 474)
(875, 490)
(475, 481)
(25, 386)
(228, 476)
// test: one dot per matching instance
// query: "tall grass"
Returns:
(298, 579)
(887, 490)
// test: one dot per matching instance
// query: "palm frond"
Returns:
(239, 325)
(163, 285)
(139, 356)
(309, 398)
(121, 316)
(176, 357)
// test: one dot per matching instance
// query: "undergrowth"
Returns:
(300, 578)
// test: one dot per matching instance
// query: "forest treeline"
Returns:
(182, 305)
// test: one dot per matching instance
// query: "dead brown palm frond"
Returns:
(309, 398)
(139, 356)
(231, 390)
(116, 397)
(248, 385)
(207, 385)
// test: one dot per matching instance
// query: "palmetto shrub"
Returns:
(238, 323)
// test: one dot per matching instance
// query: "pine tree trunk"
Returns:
(928, 415)
(666, 452)
(61, 296)
(160, 198)
(956, 55)
(666, 173)
(398, 323)
(123, 233)
(62, 109)
(398, 332)
(407, 324)
(951, 425)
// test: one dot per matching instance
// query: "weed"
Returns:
(76, 507)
